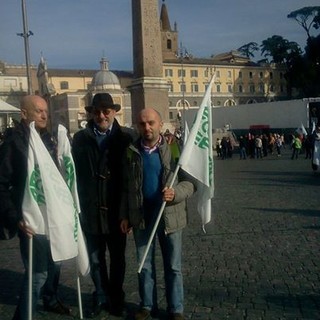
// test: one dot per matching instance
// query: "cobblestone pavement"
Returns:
(258, 260)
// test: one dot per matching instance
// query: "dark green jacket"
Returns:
(175, 213)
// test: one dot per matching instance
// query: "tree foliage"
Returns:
(248, 49)
(279, 49)
(307, 18)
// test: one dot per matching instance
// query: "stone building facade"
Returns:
(238, 81)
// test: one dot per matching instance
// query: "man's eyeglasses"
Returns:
(105, 112)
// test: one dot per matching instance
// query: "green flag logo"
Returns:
(36, 187)
(202, 139)
(70, 178)
(69, 174)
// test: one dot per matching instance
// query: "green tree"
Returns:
(279, 49)
(248, 49)
(307, 18)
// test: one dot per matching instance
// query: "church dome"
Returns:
(105, 79)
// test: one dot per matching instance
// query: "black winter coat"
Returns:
(13, 173)
(99, 178)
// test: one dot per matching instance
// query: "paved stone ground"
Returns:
(260, 257)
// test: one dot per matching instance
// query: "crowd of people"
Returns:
(261, 145)
(122, 182)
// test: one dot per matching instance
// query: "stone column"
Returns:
(149, 88)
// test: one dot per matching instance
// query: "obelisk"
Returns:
(149, 88)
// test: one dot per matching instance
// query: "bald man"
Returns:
(13, 175)
(148, 171)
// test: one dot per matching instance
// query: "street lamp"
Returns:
(26, 34)
(182, 54)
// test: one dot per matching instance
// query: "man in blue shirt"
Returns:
(148, 171)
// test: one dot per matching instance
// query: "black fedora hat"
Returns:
(103, 100)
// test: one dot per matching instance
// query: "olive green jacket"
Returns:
(175, 213)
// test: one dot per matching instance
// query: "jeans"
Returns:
(45, 275)
(170, 245)
(295, 153)
(243, 153)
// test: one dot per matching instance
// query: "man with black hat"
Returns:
(98, 150)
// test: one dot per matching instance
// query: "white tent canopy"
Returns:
(8, 114)
(8, 108)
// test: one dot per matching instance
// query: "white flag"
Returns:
(68, 172)
(313, 129)
(197, 157)
(302, 130)
(48, 206)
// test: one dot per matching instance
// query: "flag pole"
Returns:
(157, 223)
(79, 295)
(30, 278)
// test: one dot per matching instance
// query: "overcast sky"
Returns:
(77, 33)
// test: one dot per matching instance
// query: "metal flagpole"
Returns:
(79, 290)
(30, 278)
(157, 223)
(79, 298)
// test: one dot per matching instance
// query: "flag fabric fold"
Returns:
(48, 205)
(302, 130)
(67, 168)
(197, 156)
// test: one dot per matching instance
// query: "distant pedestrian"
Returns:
(278, 144)
(218, 148)
(296, 147)
(258, 147)
(242, 148)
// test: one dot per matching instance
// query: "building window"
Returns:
(218, 88)
(229, 103)
(168, 72)
(194, 87)
(271, 88)
(250, 75)
(281, 75)
(182, 87)
(206, 72)
(271, 75)
(261, 75)
(170, 115)
(229, 74)
(181, 73)
(240, 88)
(169, 44)
(252, 88)
(240, 74)
(218, 74)
(229, 87)
(261, 88)
(194, 73)
(64, 85)
(281, 88)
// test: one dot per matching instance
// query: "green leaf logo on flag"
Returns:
(69, 171)
(35, 185)
(202, 138)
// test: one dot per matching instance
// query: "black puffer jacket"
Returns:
(99, 177)
(13, 172)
